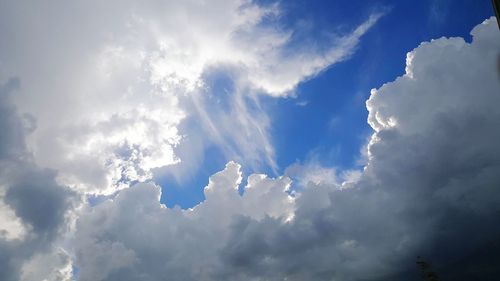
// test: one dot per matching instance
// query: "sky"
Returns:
(249, 140)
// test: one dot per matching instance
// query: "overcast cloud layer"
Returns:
(94, 111)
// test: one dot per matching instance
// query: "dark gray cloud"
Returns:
(38, 200)
(33, 205)
(11, 140)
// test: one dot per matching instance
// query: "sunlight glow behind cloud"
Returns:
(124, 82)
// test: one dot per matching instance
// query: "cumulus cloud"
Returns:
(429, 188)
(135, 237)
(111, 83)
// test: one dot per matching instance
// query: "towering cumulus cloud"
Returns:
(430, 188)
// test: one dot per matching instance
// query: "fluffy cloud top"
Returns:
(134, 237)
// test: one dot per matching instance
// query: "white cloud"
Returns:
(11, 227)
(52, 266)
(312, 173)
(279, 75)
(110, 83)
